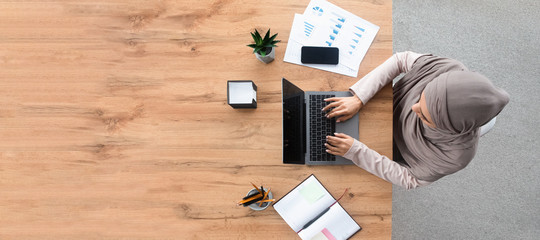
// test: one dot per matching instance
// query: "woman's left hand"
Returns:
(339, 144)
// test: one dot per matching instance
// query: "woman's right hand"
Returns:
(343, 108)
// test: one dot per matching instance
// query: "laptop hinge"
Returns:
(304, 126)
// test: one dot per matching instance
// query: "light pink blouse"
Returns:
(361, 154)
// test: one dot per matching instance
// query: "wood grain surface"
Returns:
(114, 122)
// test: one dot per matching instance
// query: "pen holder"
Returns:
(255, 206)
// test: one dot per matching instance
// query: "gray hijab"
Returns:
(459, 102)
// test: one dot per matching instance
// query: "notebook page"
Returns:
(303, 203)
(335, 223)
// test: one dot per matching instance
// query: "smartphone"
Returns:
(320, 55)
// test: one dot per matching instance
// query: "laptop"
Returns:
(305, 127)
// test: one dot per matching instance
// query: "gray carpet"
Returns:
(497, 195)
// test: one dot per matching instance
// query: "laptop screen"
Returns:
(293, 123)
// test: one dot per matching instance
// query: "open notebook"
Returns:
(310, 202)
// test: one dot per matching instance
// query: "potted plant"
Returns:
(264, 47)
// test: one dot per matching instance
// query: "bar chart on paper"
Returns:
(358, 31)
(339, 19)
(308, 28)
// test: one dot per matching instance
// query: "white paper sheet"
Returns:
(324, 24)
(293, 54)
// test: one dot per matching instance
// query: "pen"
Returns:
(322, 213)
(315, 219)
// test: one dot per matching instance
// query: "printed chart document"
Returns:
(310, 202)
(326, 25)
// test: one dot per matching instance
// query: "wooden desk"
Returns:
(114, 122)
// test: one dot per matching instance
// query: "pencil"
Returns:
(264, 197)
(250, 199)
(257, 188)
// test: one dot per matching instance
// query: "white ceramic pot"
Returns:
(269, 56)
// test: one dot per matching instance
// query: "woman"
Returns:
(439, 106)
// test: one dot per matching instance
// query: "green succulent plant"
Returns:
(261, 44)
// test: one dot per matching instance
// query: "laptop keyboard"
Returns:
(320, 127)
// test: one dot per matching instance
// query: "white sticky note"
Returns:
(241, 92)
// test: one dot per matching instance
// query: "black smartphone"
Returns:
(320, 55)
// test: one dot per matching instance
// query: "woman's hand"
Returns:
(339, 144)
(344, 108)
